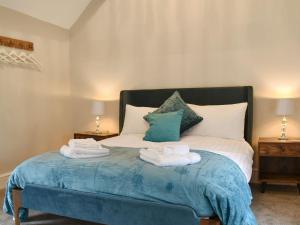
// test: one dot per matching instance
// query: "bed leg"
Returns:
(210, 221)
(16, 194)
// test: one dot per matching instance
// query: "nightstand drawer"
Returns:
(288, 150)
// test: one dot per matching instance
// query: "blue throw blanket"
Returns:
(215, 185)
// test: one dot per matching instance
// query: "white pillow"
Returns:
(134, 122)
(224, 121)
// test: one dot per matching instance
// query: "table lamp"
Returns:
(98, 111)
(285, 107)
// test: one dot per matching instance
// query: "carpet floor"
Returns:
(280, 205)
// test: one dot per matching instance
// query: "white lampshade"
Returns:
(285, 107)
(98, 108)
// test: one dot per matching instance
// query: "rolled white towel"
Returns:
(68, 152)
(89, 143)
(181, 149)
(194, 157)
(171, 160)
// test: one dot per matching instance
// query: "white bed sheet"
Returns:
(237, 150)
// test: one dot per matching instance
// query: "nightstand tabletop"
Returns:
(92, 133)
(275, 140)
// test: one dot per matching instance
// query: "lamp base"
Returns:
(283, 138)
(98, 125)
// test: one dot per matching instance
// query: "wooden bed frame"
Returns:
(200, 96)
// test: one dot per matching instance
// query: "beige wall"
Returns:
(131, 44)
(35, 113)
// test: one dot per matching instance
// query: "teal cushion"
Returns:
(175, 103)
(164, 126)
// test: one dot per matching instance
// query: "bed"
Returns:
(114, 207)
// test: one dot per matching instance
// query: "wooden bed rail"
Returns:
(17, 199)
(210, 221)
(17, 204)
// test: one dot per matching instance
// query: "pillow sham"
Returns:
(224, 121)
(175, 103)
(134, 122)
(164, 126)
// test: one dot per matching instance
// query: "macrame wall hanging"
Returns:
(18, 52)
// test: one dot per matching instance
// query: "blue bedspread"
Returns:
(215, 185)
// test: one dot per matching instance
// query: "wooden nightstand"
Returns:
(279, 162)
(96, 136)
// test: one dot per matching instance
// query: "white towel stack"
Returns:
(170, 155)
(83, 148)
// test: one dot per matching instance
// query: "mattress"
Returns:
(238, 151)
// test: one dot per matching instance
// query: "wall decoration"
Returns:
(18, 52)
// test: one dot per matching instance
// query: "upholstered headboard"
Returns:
(198, 96)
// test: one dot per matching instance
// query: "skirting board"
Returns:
(3, 180)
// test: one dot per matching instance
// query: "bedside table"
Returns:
(279, 162)
(96, 136)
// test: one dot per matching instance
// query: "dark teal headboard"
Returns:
(198, 96)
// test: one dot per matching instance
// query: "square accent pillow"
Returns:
(164, 126)
(175, 103)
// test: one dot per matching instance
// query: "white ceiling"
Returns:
(62, 13)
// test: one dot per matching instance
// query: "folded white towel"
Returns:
(68, 152)
(153, 153)
(181, 149)
(159, 159)
(89, 143)
(87, 151)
